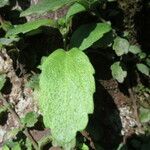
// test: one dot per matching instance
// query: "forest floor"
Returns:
(115, 119)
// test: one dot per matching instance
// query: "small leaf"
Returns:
(13, 145)
(148, 62)
(86, 35)
(17, 147)
(66, 94)
(28, 144)
(121, 147)
(74, 9)
(84, 147)
(117, 72)
(34, 82)
(121, 46)
(8, 41)
(6, 25)
(45, 6)
(2, 109)
(2, 80)
(30, 119)
(143, 69)
(134, 49)
(29, 26)
(3, 3)
(142, 55)
(144, 115)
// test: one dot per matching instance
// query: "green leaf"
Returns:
(142, 55)
(117, 72)
(105, 41)
(134, 49)
(66, 93)
(17, 147)
(45, 6)
(6, 25)
(2, 80)
(2, 109)
(3, 3)
(8, 41)
(144, 115)
(29, 26)
(86, 35)
(28, 144)
(12, 145)
(5, 147)
(89, 3)
(84, 147)
(74, 9)
(33, 82)
(148, 62)
(122, 147)
(143, 69)
(121, 46)
(30, 119)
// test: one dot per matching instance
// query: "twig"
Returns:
(86, 135)
(135, 108)
(26, 132)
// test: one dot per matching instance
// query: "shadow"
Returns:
(111, 12)
(7, 87)
(3, 118)
(39, 125)
(138, 142)
(142, 24)
(24, 4)
(101, 63)
(33, 47)
(11, 13)
(105, 125)
(83, 34)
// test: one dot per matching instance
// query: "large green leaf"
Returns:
(45, 6)
(121, 46)
(74, 9)
(117, 72)
(86, 35)
(3, 3)
(29, 26)
(66, 93)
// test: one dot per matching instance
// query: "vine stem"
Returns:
(26, 132)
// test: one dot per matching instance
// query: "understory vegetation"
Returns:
(74, 74)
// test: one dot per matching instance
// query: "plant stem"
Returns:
(26, 132)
